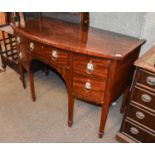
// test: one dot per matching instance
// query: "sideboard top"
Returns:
(147, 61)
(73, 37)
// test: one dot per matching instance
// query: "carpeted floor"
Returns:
(22, 120)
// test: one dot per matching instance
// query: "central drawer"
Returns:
(89, 89)
(51, 55)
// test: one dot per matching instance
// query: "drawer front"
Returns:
(141, 116)
(146, 79)
(89, 89)
(89, 66)
(143, 97)
(138, 133)
(51, 55)
(45, 53)
(22, 41)
(23, 51)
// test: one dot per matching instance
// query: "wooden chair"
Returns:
(8, 52)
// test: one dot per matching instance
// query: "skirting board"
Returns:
(123, 139)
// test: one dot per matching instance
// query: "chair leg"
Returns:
(105, 109)
(31, 79)
(22, 76)
(4, 67)
(3, 64)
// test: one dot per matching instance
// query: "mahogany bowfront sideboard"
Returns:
(96, 65)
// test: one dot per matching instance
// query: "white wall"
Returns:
(148, 31)
(136, 24)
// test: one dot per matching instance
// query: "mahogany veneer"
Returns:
(96, 65)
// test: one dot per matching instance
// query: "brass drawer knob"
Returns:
(20, 55)
(54, 55)
(31, 46)
(140, 115)
(18, 40)
(88, 86)
(146, 98)
(134, 130)
(90, 66)
(150, 80)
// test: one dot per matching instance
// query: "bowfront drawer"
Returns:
(138, 133)
(89, 89)
(143, 97)
(23, 51)
(146, 78)
(92, 67)
(141, 116)
(25, 43)
(45, 53)
(51, 55)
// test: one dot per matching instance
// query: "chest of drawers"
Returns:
(139, 120)
(96, 65)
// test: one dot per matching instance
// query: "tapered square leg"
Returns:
(31, 79)
(22, 76)
(70, 110)
(105, 109)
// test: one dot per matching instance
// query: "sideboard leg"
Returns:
(31, 79)
(70, 110)
(22, 76)
(105, 109)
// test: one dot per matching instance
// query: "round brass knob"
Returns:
(31, 46)
(134, 130)
(150, 80)
(20, 55)
(18, 40)
(88, 85)
(90, 66)
(140, 115)
(54, 55)
(146, 98)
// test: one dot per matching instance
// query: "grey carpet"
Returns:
(22, 120)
